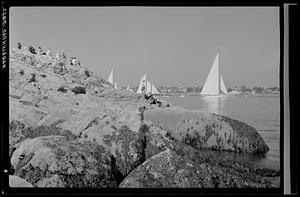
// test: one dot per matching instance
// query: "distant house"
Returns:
(235, 92)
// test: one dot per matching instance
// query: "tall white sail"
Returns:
(116, 85)
(154, 90)
(111, 77)
(212, 83)
(142, 85)
(148, 87)
(223, 87)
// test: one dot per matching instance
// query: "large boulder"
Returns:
(53, 161)
(207, 130)
(177, 169)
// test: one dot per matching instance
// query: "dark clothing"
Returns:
(19, 46)
(32, 50)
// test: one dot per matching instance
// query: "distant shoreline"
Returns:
(198, 94)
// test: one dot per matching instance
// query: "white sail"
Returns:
(212, 83)
(148, 87)
(223, 87)
(116, 85)
(154, 90)
(142, 85)
(111, 77)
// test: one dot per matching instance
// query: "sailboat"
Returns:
(128, 88)
(214, 84)
(116, 85)
(111, 77)
(142, 85)
(146, 86)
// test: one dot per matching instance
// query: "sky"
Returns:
(174, 46)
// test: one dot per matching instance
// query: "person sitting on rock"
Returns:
(32, 50)
(71, 61)
(49, 52)
(40, 51)
(74, 61)
(19, 45)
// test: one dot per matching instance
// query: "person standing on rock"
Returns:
(19, 45)
(74, 61)
(71, 61)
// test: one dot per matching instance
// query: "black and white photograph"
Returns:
(145, 97)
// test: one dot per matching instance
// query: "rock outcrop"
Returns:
(71, 128)
(205, 130)
(52, 161)
(170, 169)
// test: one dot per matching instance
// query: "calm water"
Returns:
(261, 112)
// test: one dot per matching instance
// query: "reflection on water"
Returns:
(214, 104)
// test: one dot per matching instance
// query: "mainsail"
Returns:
(214, 84)
(111, 77)
(154, 90)
(148, 87)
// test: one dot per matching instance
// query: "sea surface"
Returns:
(260, 112)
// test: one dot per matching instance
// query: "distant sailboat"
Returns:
(214, 84)
(111, 77)
(142, 85)
(146, 87)
(128, 88)
(116, 85)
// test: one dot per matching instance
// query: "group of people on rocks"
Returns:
(31, 49)
(74, 61)
(151, 98)
(59, 55)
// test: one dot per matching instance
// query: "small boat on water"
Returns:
(214, 84)
(182, 96)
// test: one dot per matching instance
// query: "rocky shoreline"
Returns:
(71, 128)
